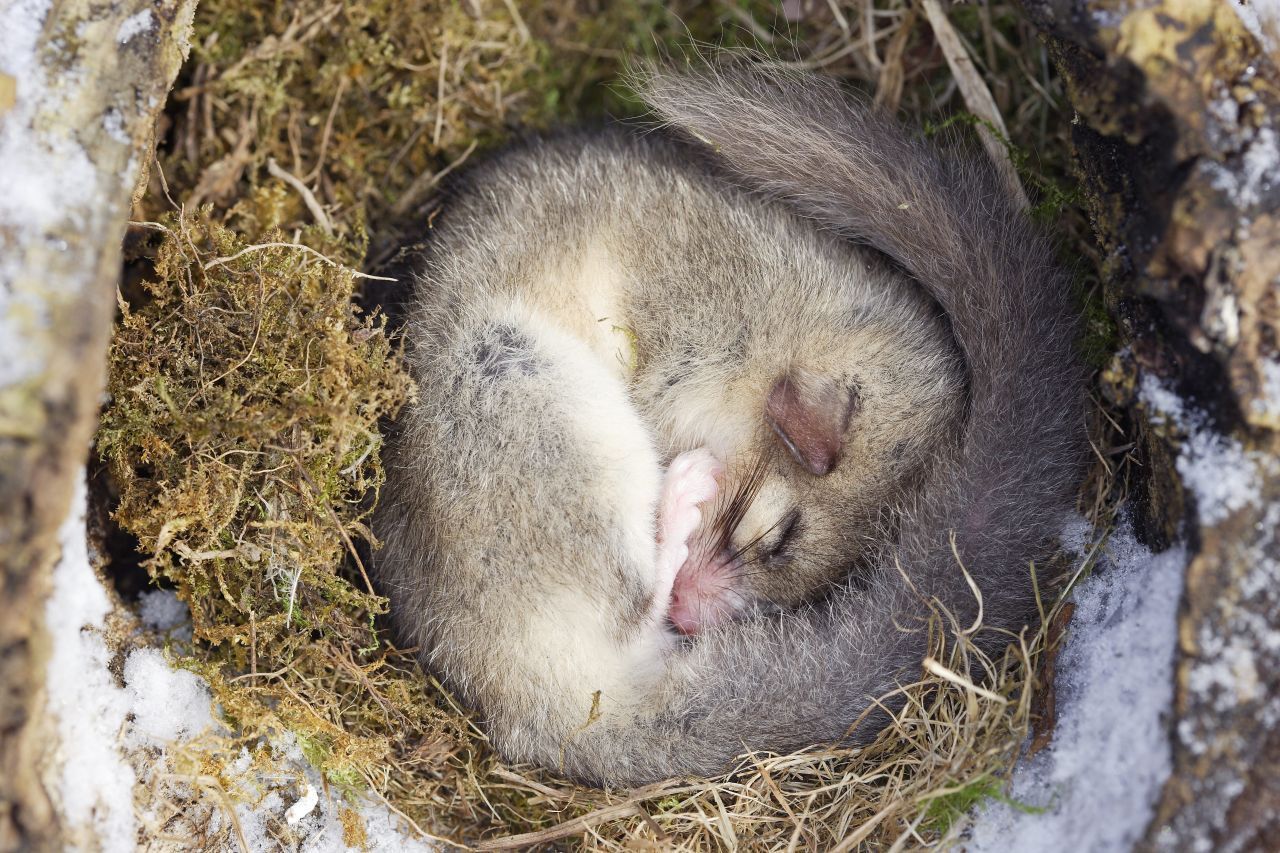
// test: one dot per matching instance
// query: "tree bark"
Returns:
(1177, 145)
(90, 98)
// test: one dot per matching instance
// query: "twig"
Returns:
(977, 97)
(422, 833)
(761, 34)
(839, 16)
(628, 808)
(308, 198)
(546, 791)
(328, 129)
(956, 678)
(424, 183)
(864, 831)
(521, 27)
(211, 785)
(977, 593)
(569, 827)
(892, 74)
(257, 247)
(444, 65)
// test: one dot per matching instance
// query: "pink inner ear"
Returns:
(811, 422)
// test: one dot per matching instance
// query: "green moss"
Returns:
(1052, 195)
(1099, 334)
(242, 392)
(945, 810)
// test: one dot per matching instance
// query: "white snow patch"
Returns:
(1261, 160)
(1099, 778)
(1231, 676)
(44, 176)
(168, 704)
(1076, 534)
(94, 784)
(1224, 108)
(1220, 474)
(109, 737)
(1250, 184)
(113, 124)
(1262, 18)
(1226, 670)
(133, 25)
(1108, 18)
(43, 179)
(162, 610)
(23, 21)
(385, 832)
(1165, 406)
(1217, 469)
(1268, 401)
(314, 817)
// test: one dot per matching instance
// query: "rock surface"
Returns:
(81, 85)
(1178, 146)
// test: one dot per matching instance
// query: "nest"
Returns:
(247, 396)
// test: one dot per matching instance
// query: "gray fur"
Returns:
(515, 540)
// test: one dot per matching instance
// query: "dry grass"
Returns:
(243, 435)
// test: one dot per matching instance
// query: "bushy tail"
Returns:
(802, 679)
(948, 222)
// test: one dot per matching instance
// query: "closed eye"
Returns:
(790, 526)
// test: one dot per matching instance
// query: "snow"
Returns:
(1111, 751)
(112, 737)
(1076, 535)
(385, 835)
(1268, 400)
(162, 610)
(312, 816)
(167, 704)
(1165, 407)
(93, 782)
(1098, 780)
(43, 179)
(1235, 647)
(113, 124)
(136, 24)
(1220, 474)
(1262, 18)
(1217, 469)
(1225, 671)
(1253, 183)
(1259, 167)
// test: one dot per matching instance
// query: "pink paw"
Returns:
(693, 478)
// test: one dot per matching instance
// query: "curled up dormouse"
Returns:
(705, 418)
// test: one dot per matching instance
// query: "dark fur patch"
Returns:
(503, 349)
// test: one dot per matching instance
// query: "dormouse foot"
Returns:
(692, 479)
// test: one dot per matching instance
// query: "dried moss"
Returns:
(243, 437)
(359, 97)
(246, 396)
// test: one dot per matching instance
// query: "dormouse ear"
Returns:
(810, 415)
